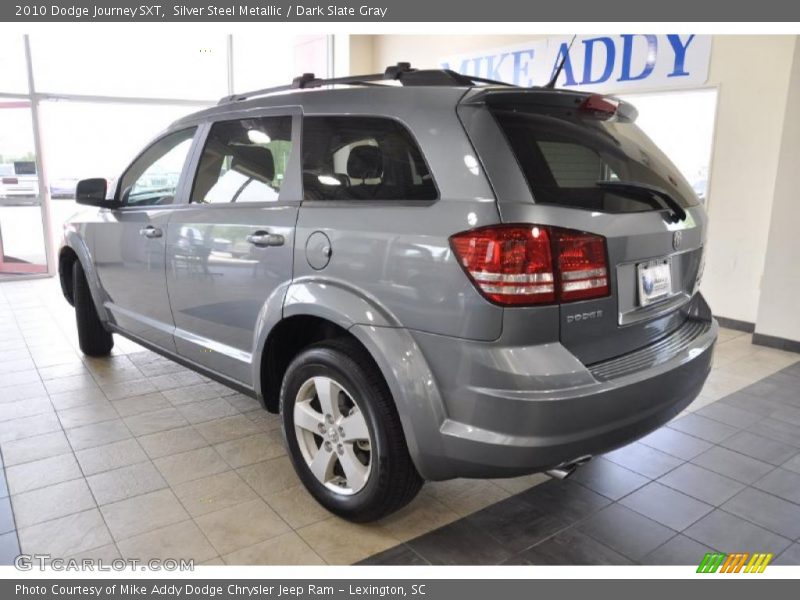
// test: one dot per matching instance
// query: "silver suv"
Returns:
(427, 275)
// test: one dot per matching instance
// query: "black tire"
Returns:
(393, 480)
(93, 338)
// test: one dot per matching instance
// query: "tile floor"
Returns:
(135, 456)
(721, 478)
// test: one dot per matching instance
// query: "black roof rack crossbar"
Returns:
(401, 72)
(491, 81)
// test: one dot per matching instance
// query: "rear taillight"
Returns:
(510, 264)
(582, 268)
(522, 265)
(10, 180)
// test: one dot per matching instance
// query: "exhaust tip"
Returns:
(567, 469)
(561, 472)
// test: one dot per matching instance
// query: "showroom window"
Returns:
(244, 161)
(93, 125)
(362, 158)
(12, 65)
(174, 66)
(22, 243)
(255, 67)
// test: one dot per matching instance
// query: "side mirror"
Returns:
(92, 192)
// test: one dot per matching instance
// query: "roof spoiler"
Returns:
(546, 97)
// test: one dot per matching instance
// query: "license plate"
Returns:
(655, 281)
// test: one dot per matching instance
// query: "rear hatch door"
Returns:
(585, 165)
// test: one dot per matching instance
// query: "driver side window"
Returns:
(152, 180)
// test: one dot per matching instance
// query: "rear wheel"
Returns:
(93, 338)
(343, 432)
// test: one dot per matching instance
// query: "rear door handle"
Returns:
(151, 232)
(265, 238)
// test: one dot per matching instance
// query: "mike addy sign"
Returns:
(600, 62)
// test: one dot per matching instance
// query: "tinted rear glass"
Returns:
(567, 157)
(25, 167)
(363, 158)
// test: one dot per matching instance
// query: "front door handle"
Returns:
(151, 232)
(265, 238)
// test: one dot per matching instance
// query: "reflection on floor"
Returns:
(724, 478)
(135, 456)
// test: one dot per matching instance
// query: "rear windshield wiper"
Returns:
(643, 189)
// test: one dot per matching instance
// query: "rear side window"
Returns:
(244, 161)
(362, 158)
(576, 161)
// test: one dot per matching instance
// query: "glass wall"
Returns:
(261, 61)
(98, 100)
(91, 139)
(174, 66)
(12, 65)
(22, 248)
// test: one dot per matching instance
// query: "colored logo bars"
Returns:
(714, 562)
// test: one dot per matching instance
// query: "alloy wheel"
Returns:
(333, 436)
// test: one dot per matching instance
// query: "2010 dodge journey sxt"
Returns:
(427, 275)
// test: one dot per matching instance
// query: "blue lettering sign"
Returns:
(476, 65)
(589, 55)
(462, 68)
(627, 56)
(605, 62)
(493, 66)
(522, 60)
(679, 48)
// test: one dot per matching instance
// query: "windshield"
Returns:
(572, 160)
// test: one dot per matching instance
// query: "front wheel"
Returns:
(344, 434)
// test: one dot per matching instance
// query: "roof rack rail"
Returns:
(402, 72)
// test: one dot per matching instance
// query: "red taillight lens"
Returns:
(582, 268)
(10, 180)
(510, 264)
(518, 265)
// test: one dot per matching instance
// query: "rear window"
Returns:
(574, 160)
(25, 167)
(362, 158)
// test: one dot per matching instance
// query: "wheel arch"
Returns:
(310, 309)
(66, 260)
(314, 311)
(285, 341)
(74, 248)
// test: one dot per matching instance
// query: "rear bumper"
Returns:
(511, 411)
